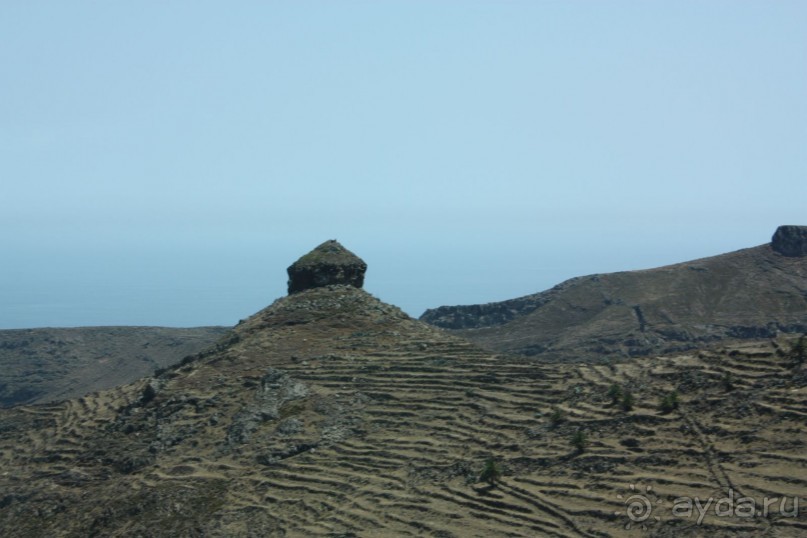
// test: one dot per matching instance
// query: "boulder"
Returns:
(330, 263)
(790, 240)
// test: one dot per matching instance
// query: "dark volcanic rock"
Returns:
(790, 240)
(330, 263)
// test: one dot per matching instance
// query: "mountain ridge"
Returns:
(46, 364)
(749, 293)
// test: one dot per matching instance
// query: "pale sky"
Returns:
(163, 162)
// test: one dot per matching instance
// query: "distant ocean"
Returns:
(50, 305)
(72, 288)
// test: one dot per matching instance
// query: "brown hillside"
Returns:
(752, 293)
(46, 365)
(333, 414)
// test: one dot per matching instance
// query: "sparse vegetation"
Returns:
(627, 402)
(798, 353)
(615, 393)
(557, 417)
(728, 382)
(579, 441)
(491, 472)
(621, 397)
(669, 403)
(149, 393)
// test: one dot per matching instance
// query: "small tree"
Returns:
(579, 441)
(491, 472)
(557, 417)
(615, 393)
(627, 401)
(799, 351)
(149, 393)
(669, 403)
(728, 382)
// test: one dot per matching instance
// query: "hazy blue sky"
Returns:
(163, 162)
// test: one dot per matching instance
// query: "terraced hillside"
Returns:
(751, 293)
(333, 414)
(45, 365)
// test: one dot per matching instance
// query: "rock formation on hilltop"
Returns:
(330, 413)
(751, 293)
(330, 263)
(790, 240)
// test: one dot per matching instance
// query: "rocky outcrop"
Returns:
(328, 264)
(790, 240)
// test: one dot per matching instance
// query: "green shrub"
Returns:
(491, 472)
(148, 394)
(727, 382)
(615, 393)
(579, 441)
(799, 351)
(669, 403)
(627, 401)
(557, 417)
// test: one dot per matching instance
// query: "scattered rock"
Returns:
(290, 426)
(275, 390)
